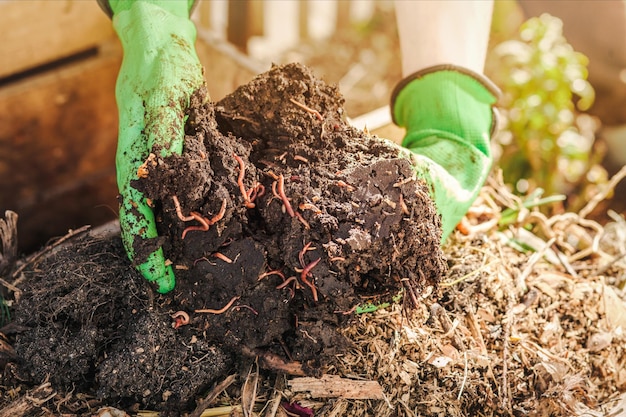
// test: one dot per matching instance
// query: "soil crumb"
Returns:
(282, 223)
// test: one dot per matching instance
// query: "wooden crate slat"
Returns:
(36, 32)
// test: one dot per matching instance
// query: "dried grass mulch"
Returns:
(529, 320)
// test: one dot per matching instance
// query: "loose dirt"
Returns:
(309, 220)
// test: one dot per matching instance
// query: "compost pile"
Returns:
(281, 222)
(528, 318)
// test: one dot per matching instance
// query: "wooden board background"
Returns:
(58, 123)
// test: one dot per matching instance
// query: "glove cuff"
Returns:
(481, 79)
(106, 7)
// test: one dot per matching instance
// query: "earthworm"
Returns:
(221, 310)
(308, 109)
(242, 187)
(181, 318)
(305, 272)
(281, 193)
(273, 272)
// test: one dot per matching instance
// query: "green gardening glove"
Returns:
(159, 73)
(449, 118)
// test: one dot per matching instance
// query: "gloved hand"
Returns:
(449, 118)
(159, 73)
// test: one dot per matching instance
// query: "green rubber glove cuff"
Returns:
(108, 6)
(159, 72)
(449, 117)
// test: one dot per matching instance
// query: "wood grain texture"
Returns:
(36, 32)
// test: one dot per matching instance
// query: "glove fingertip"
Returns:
(167, 282)
(155, 270)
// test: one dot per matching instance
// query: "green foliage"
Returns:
(544, 82)
(5, 313)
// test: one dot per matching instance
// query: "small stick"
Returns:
(281, 193)
(212, 396)
(308, 109)
(405, 209)
(221, 310)
(404, 181)
(609, 187)
(303, 275)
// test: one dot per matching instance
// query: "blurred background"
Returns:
(561, 65)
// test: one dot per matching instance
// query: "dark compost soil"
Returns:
(360, 229)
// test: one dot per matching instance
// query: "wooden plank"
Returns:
(333, 386)
(35, 32)
(58, 135)
(226, 68)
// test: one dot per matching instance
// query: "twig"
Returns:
(606, 267)
(521, 279)
(278, 388)
(596, 199)
(465, 372)
(269, 360)
(212, 395)
(49, 248)
(249, 391)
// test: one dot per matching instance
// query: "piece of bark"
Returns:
(332, 386)
(31, 403)
(8, 240)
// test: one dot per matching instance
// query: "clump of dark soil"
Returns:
(90, 323)
(308, 218)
